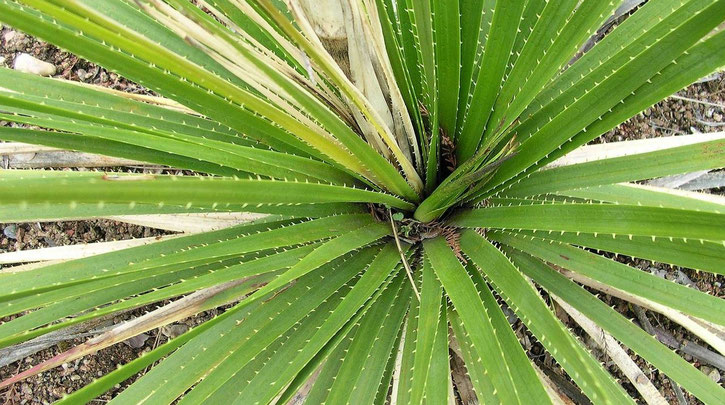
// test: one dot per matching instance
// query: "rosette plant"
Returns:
(419, 176)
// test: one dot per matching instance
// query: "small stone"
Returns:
(172, 331)
(82, 74)
(2, 60)
(75, 377)
(9, 36)
(711, 372)
(28, 64)
(683, 279)
(11, 231)
(658, 272)
(717, 117)
(16, 41)
(137, 341)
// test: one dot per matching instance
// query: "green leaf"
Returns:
(391, 31)
(423, 26)
(328, 371)
(150, 75)
(635, 194)
(683, 159)
(385, 384)
(321, 255)
(649, 22)
(599, 218)
(447, 42)
(204, 248)
(362, 346)
(328, 251)
(95, 24)
(407, 351)
(374, 372)
(621, 328)
(701, 255)
(607, 93)
(99, 386)
(323, 61)
(410, 48)
(511, 382)
(482, 385)
(271, 380)
(439, 387)
(700, 60)
(620, 276)
(108, 147)
(504, 28)
(202, 192)
(426, 336)
(586, 371)
(547, 29)
(253, 332)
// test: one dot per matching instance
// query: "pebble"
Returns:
(172, 331)
(711, 372)
(29, 64)
(16, 41)
(717, 117)
(9, 36)
(11, 231)
(2, 60)
(82, 74)
(137, 341)
(684, 280)
(658, 272)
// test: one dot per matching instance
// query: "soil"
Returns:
(669, 117)
(676, 116)
(68, 66)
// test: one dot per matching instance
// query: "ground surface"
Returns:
(670, 117)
